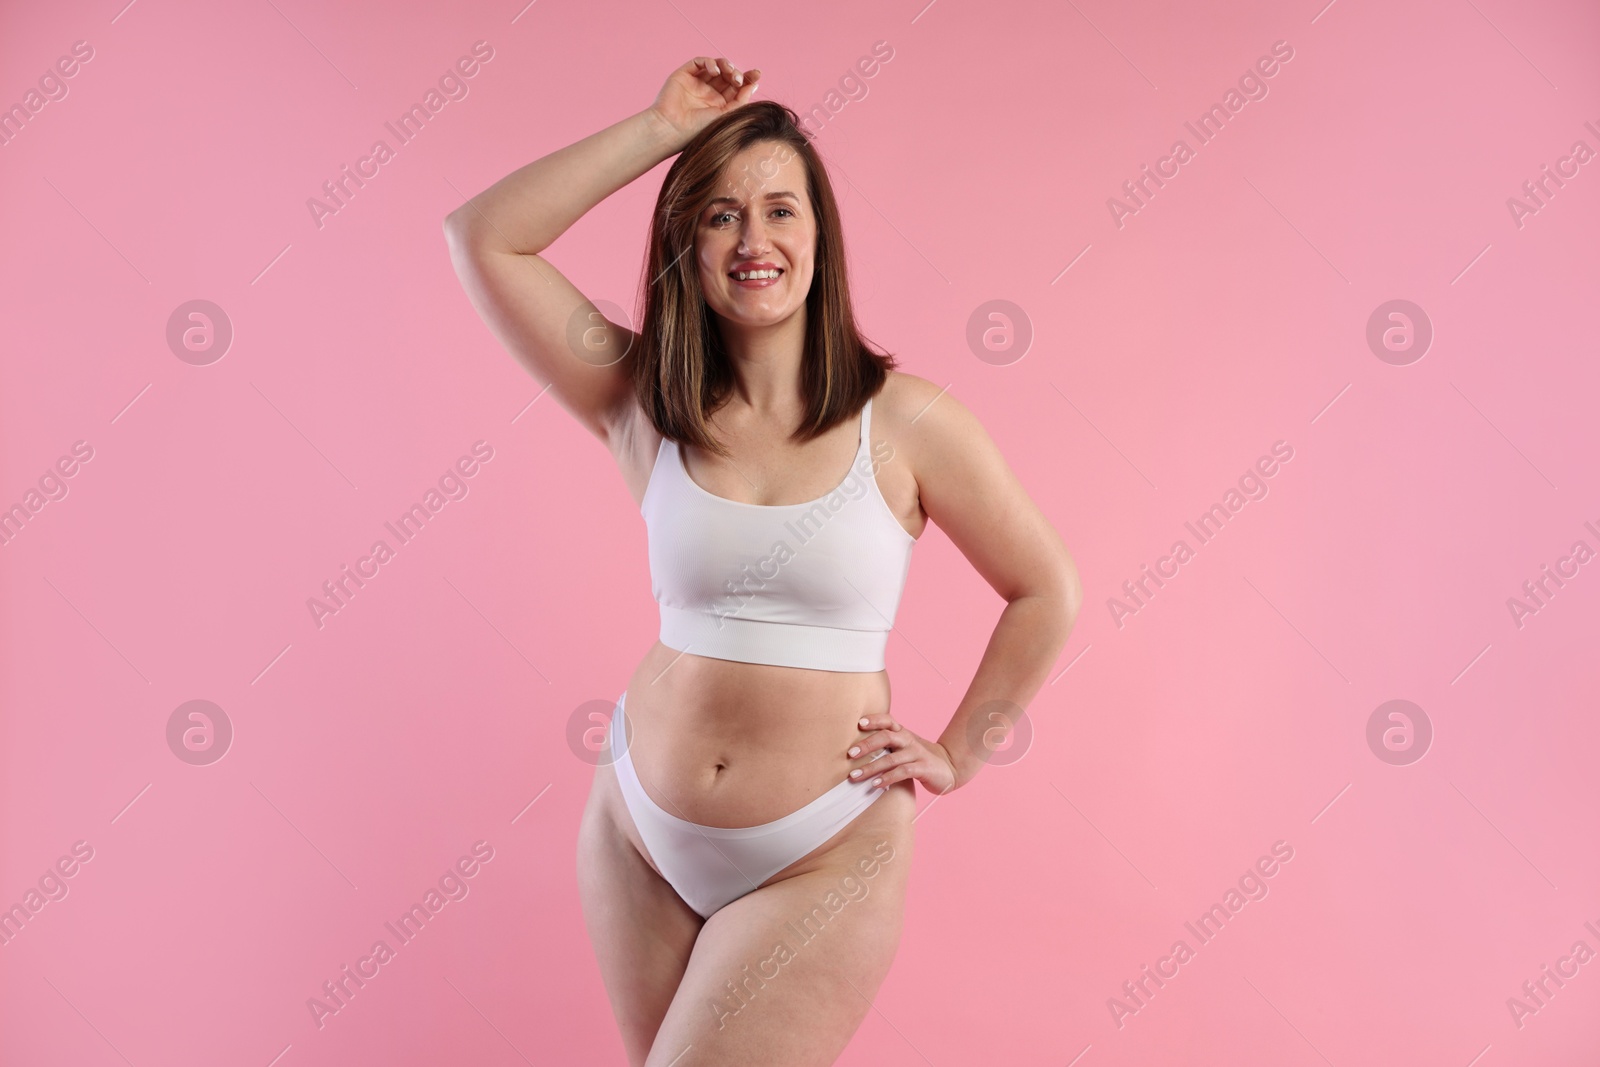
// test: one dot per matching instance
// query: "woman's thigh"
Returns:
(641, 930)
(784, 975)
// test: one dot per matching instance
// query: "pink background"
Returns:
(1169, 753)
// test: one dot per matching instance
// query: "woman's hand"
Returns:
(890, 753)
(701, 90)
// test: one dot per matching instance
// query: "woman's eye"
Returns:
(716, 220)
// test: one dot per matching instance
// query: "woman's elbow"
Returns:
(1067, 588)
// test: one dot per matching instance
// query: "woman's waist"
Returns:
(759, 696)
(723, 743)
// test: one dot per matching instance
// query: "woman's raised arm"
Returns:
(496, 238)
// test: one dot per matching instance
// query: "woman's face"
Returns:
(759, 219)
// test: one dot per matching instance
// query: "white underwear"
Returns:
(710, 866)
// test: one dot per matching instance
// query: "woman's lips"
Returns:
(756, 283)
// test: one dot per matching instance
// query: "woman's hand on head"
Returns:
(892, 753)
(701, 90)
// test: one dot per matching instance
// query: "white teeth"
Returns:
(747, 275)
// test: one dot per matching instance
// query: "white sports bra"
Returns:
(812, 585)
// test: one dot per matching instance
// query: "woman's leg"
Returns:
(641, 930)
(785, 974)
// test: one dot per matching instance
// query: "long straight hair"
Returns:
(682, 372)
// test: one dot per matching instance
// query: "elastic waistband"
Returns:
(782, 644)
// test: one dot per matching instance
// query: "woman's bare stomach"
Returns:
(723, 743)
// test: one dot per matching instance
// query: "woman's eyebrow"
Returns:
(769, 196)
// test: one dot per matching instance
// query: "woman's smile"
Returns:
(762, 275)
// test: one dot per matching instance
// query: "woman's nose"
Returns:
(753, 239)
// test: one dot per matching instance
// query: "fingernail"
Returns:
(856, 773)
(854, 751)
(877, 781)
(863, 722)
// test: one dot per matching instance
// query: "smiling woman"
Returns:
(777, 456)
(779, 214)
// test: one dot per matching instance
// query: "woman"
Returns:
(743, 856)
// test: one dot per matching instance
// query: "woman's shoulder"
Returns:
(902, 391)
(917, 408)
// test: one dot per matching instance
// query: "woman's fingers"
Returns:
(712, 68)
(708, 72)
(723, 78)
(897, 767)
(880, 729)
(730, 84)
(872, 742)
(875, 763)
(874, 746)
(881, 747)
(934, 773)
(892, 754)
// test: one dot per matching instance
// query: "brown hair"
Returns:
(681, 372)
